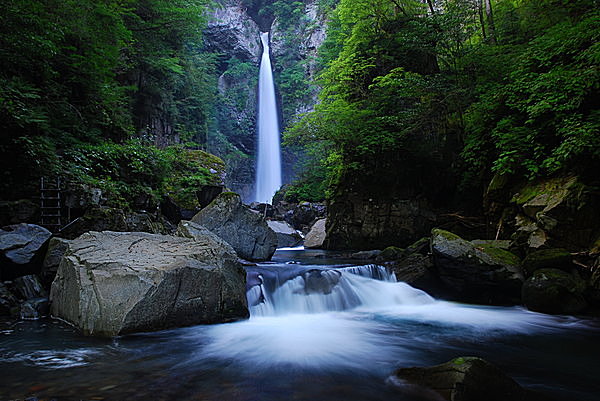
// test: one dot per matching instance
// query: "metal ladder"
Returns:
(50, 204)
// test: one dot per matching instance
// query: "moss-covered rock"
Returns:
(391, 253)
(557, 212)
(482, 274)
(462, 379)
(554, 291)
(557, 258)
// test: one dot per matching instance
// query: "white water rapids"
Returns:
(349, 316)
(268, 167)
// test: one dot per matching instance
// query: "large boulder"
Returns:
(286, 234)
(243, 229)
(462, 379)
(112, 283)
(476, 273)
(21, 248)
(554, 291)
(316, 235)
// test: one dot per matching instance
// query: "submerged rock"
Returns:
(320, 281)
(482, 274)
(112, 283)
(243, 229)
(554, 291)
(462, 379)
(22, 247)
(33, 309)
(316, 235)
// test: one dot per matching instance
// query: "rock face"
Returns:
(230, 30)
(463, 379)
(21, 246)
(111, 283)
(554, 291)
(481, 274)
(286, 235)
(243, 229)
(316, 235)
(362, 223)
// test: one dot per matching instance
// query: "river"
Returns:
(319, 330)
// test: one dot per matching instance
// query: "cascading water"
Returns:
(268, 168)
(334, 290)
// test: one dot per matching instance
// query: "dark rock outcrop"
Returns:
(9, 303)
(240, 227)
(303, 215)
(481, 274)
(112, 219)
(462, 379)
(111, 283)
(554, 291)
(18, 211)
(316, 235)
(21, 248)
(357, 222)
(56, 250)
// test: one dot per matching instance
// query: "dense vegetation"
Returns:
(80, 78)
(426, 95)
(437, 95)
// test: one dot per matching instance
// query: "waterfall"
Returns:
(268, 168)
(328, 290)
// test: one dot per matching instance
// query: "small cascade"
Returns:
(319, 291)
(268, 167)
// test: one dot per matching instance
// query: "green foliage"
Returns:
(424, 93)
(133, 170)
(82, 72)
(539, 114)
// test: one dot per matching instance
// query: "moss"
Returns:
(228, 195)
(459, 361)
(556, 258)
(497, 183)
(502, 255)
(549, 187)
(391, 253)
(446, 234)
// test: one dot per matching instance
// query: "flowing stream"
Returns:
(268, 167)
(319, 330)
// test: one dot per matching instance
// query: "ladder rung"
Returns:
(51, 215)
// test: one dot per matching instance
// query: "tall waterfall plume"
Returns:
(268, 168)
